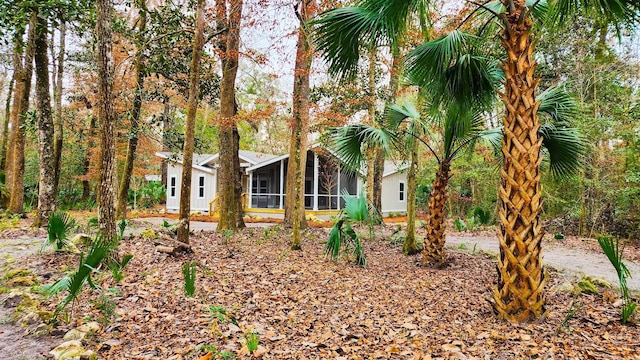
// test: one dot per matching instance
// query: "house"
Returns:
(263, 184)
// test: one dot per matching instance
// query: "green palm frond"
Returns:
(98, 251)
(58, 228)
(340, 34)
(355, 208)
(540, 11)
(558, 104)
(347, 143)
(566, 148)
(619, 13)
(452, 69)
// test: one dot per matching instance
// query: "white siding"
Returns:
(173, 203)
(391, 193)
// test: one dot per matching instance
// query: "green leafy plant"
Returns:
(117, 266)
(460, 225)
(122, 225)
(58, 229)
(558, 236)
(74, 283)
(253, 339)
(481, 216)
(343, 236)
(107, 308)
(189, 273)
(614, 252)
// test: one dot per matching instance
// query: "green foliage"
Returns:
(9, 221)
(117, 266)
(343, 236)
(58, 229)
(253, 339)
(107, 308)
(614, 252)
(482, 216)
(460, 225)
(122, 226)
(189, 275)
(73, 283)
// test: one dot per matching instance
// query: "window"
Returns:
(172, 186)
(402, 192)
(200, 186)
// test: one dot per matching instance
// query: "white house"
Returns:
(263, 184)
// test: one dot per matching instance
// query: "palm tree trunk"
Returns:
(5, 126)
(434, 251)
(192, 107)
(521, 279)
(230, 176)
(106, 120)
(57, 98)
(300, 128)
(46, 185)
(410, 246)
(20, 107)
(125, 182)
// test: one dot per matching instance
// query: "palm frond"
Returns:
(58, 228)
(558, 104)
(619, 13)
(347, 143)
(355, 208)
(452, 70)
(566, 148)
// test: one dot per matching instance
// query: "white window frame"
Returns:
(402, 190)
(173, 186)
(201, 186)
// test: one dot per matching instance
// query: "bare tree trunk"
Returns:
(230, 203)
(121, 208)
(21, 106)
(192, 107)
(300, 127)
(371, 150)
(46, 185)
(106, 119)
(57, 98)
(410, 246)
(5, 126)
(86, 188)
(165, 147)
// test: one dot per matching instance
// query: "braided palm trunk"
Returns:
(521, 279)
(433, 253)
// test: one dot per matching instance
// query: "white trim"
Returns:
(201, 180)
(402, 191)
(282, 175)
(250, 189)
(267, 162)
(316, 164)
(173, 187)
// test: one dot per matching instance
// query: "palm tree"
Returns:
(519, 293)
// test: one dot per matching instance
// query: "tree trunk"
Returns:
(165, 145)
(86, 188)
(434, 251)
(20, 107)
(106, 120)
(5, 126)
(229, 196)
(121, 208)
(371, 110)
(521, 279)
(295, 210)
(57, 98)
(410, 246)
(192, 107)
(46, 185)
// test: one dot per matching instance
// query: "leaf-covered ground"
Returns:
(304, 306)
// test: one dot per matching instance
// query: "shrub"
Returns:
(189, 272)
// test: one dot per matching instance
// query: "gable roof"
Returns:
(200, 161)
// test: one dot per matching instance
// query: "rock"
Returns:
(71, 248)
(19, 297)
(148, 234)
(80, 239)
(21, 281)
(30, 319)
(566, 287)
(82, 331)
(585, 286)
(72, 350)
(40, 330)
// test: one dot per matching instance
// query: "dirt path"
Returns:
(574, 263)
